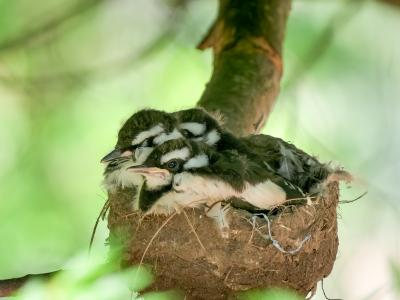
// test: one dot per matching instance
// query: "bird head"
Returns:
(169, 159)
(140, 133)
(136, 140)
(198, 125)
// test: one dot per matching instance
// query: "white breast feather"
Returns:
(122, 178)
(264, 195)
(176, 201)
(192, 190)
(202, 188)
(157, 181)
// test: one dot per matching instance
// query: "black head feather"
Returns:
(141, 121)
(200, 116)
(174, 165)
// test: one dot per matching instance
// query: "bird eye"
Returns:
(172, 165)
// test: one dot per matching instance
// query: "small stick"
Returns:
(155, 235)
(353, 200)
(254, 227)
(227, 275)
(101, 215)
(212, 205)
(194, 231)
(252, 231)
(323, 291)
(152, 239)
(276, 244)
(139, 223)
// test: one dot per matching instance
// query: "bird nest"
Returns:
(294, 248)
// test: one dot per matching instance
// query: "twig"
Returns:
(264, 236)
(288, 202)
(227, 275)
(323, 291)
(148, 246)
(152, 239)
(353, 200)
(139, 223)
(101, 215)
(276, 244)
(252, 231)
(208, 208)
(311, 293)
(194, 231)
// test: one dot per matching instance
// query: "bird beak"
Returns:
(152, 171)
(115, 154)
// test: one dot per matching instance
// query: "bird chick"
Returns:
(136, 139)
(278, 156)
(183, 173)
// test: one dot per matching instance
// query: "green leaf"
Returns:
(168, 295)
(395, 267)
(270, 294)
(137, 278)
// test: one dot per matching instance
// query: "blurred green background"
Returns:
(72, 71)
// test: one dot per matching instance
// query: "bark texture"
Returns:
(392, 2)
(247, 40)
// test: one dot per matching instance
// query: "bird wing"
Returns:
(288, 161)
(226, 166)
(230, 174)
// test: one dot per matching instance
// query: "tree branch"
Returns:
(247, 42)
(392, 2)
(10, 286)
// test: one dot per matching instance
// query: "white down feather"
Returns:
(191, 190)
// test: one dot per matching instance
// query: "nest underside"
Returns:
(190, 252)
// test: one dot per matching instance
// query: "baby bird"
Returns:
(136, 139)
(184, 173)
(278, 156)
